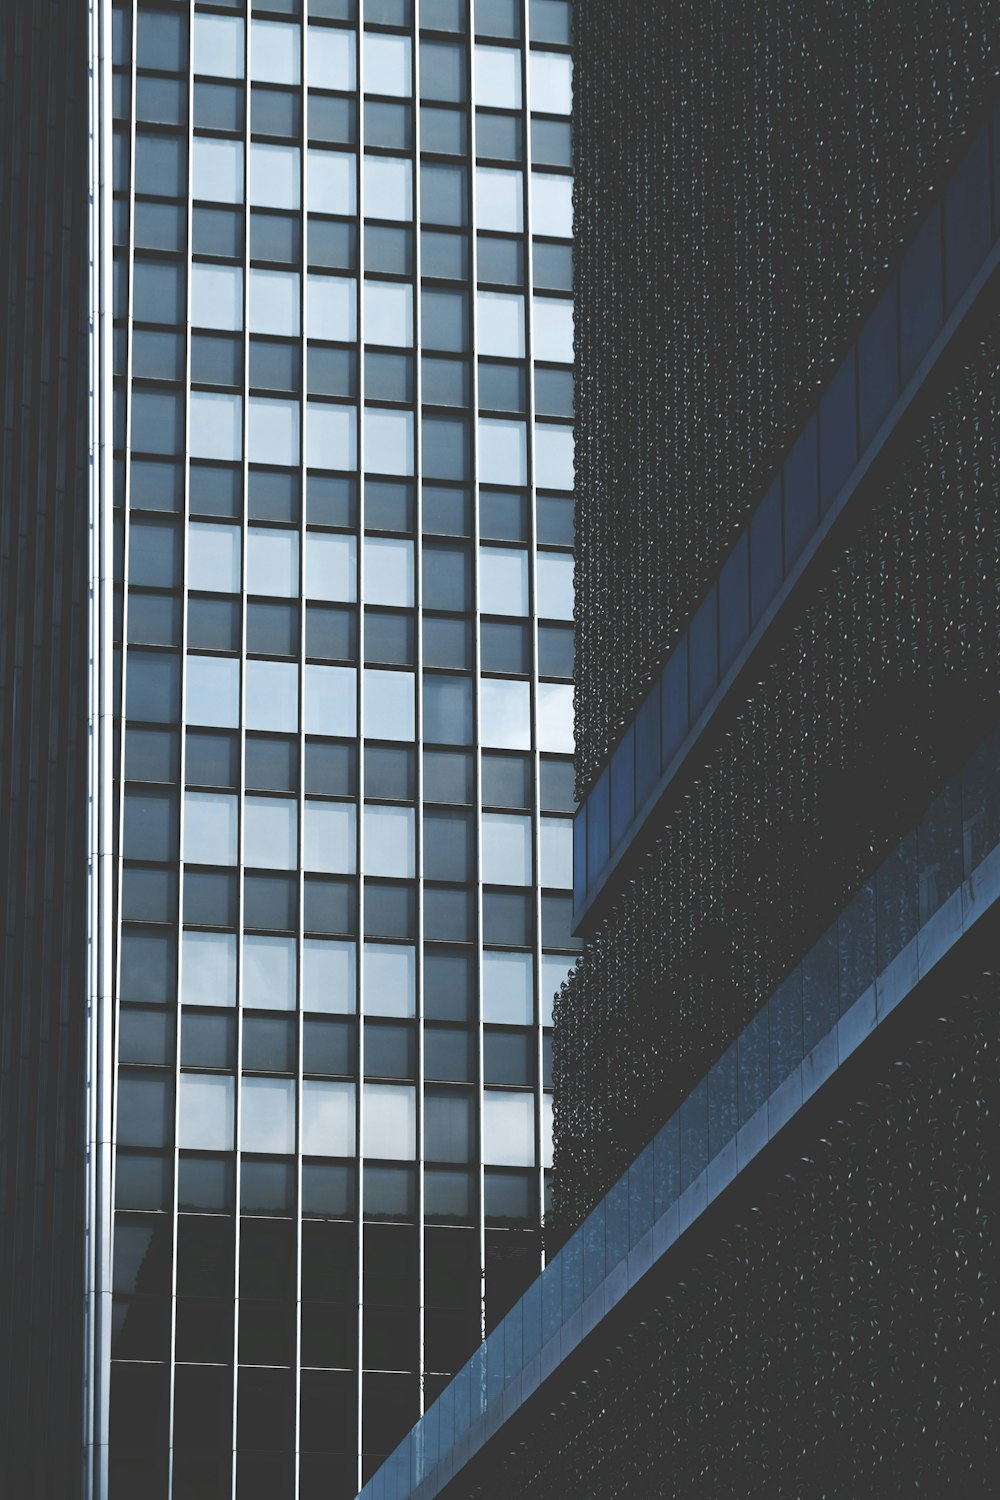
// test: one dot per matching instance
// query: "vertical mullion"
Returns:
(245, 474)
(100, 1063)
(359, 943)
(418, 705)
(536, 812)
(301, 794)
(182, 748)
(476, 662)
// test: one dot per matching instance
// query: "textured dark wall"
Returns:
(745, 174)
(877, 690)
(43, 664)
(835, 1333)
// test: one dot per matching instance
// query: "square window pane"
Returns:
(269, 975)
(205, 1115)
(388, 188)
(216, 425)
(508, 1129)
(500, 199)
(332, 181)
(388, 64)
(389, 841)
(502, 451)
(442, 71)
(267, 1115)
(213, 692)
(498, 77)
(551, 82)
(390, 1121)
(331, 700)
(331, 566)
(216, 296)
(275, 175)
(330, 837)
(275, 49)
(210, 828)
(390, 979)
(217, 170)
(506, 849)
(505, 714)
(329, 976)
(274, 431)
(331, 58)
(272, 562)
(332, 308)
(553, 456)
(556, 852)
(328, 1118)
(389, 313)
(218, 45)
(389, 711)
(553, 329)
(208, 968)
(332, 436)
(552, 205)
(501, 323)
(507, 988)
(274, 302)
(388, 571)
(503, 581)
(270, 832)
(555, 717)
(554, 585)
(272, 695)
(388, 441)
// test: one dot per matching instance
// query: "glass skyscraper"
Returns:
(332, 831)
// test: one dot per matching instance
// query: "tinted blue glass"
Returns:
(785, 1018)
(921, 293)
(704, 651)
(722, 1102)
(640, 1195)
(939, 849)
(856, 946)
(838, 431)
(153, 687)
(462, 1383)
(512, 1343)
(753, 1066)
(801, 492)
(598, 826)
(431, 1427)
(551, 1280)
(981, 802)
(592, 1231)
(623, 786)
(674, 702)
(616, 1224)
(820, 990)
(446, 1406)
(495, 1364)
(531, 1321)
(878, 380)
(734, 603)
(967, 218)
(580, 856)
(694, 1133)
(765, 551)
(667, 1165)
(572, 1275)
(647, 745)
(896, 900)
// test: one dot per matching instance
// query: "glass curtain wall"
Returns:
(343, 452)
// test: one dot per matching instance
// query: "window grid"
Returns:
(247, 518)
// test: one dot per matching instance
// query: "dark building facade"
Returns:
(772, 1258)
(43, 744)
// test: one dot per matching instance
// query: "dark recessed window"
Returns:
(390, 772)
(331, 632)
(210, 898)
(329, 1047)
(212, 759)
(389, 377)
(331, 500)
(448, 512)
(208, 1040)
(555, 785)
(389, 505)
(216, 359)
(216, 490)
(332, 372)
(444, 255)
(390, 1050)
(154, 619)
(555, 651)
(554, 393)
(501, 387)
(501, 261)
(554, 520)
(551, 143)
(444, 131)
(449, 845)
(553, 267)
(331, 769)
(218, 232)
(214, 624)
(275, 237)
(272, 763)
(389, 638)
(333, 245)
(275, 366)
(332, 120)
(507, 918)
(389, 125)
(274, 495)
(506, 781)
(499, 137)
(449, 985)
(505, 646)
(389, 250)
(448, 776)
(274, 112)
(445, 382)
(503, 515)
(447, 643)
(219, 106)
(269, 1044)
